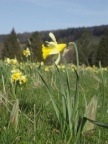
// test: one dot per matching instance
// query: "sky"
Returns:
(42, 15)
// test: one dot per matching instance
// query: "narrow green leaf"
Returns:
(53, 102)
(102, 86)
(63, 93)
(76, 96)
(104, 125)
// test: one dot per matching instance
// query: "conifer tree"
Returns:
(12, 47)
(84, 46)
(35, 45)
(1, 47)
(102, 50)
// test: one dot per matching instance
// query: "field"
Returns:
(46, 105)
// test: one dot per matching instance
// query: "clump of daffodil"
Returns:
(26, 52)
(104, 69)
(11, 61)
(53, 48)
(17, 76)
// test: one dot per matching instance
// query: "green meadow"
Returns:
(57, 104)
(60, 103)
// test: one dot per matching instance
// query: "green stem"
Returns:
(77, 56)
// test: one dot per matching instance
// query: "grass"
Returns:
(37, 121)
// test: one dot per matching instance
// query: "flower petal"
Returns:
(58, 59)
(52, 37)
(51, 43)
(46, 51)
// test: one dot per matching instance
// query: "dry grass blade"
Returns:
(91, 114)
(14, 115)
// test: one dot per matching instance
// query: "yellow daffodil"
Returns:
(22, 80)
(18, 76)
(26, 52)
(47, 69)
(7, 60)
(52, 48)
(14, 61)
(42, 63)
(15, 76)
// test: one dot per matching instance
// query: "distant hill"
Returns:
(62, 35)
(86, 38)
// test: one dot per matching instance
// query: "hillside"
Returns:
(87, 40)
(64, 35)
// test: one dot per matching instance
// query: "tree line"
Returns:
(92, 44)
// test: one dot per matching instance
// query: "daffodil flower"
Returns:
(23, 79)
(26, 52)
(53, 48)
(18, 76)
(15, 76)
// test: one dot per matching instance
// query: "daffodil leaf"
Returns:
(104, 125)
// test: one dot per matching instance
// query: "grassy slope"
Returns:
(34, 96)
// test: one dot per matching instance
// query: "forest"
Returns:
(92, 43)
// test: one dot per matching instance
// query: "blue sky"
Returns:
(38, 15)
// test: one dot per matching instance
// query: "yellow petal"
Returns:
(46, 51)
(53, 37)
(58, 59)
